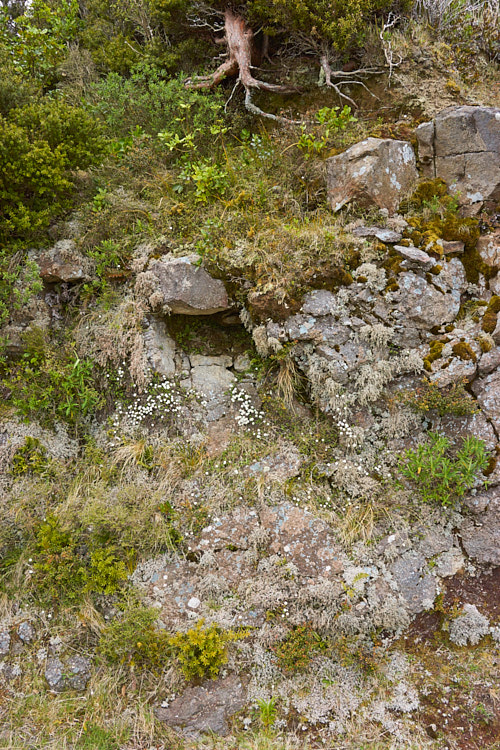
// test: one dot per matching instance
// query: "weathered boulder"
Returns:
(205, 708)
(63, 262)
(210, 376)
(462, 147)
(416, 584)
(381, 233)
(481, 534)
(487, 392)
(374, 172)
(71, 674)
(423, 303)
(488, 247)
(178, 285)
(160, 348)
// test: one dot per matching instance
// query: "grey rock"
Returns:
(205, 708)
(488, 247)
(63, 262)
(449, 563)
(489, 361)
(415, 255)
(71, 674)
(160, 348)
(462, 147)
(469, 627)
(422, 303)
(4, 643)
(178, 285)
(455, 370)
(481, 534)
(458, 428)
(319, 302)
(374, 172)
(487, 392)
(26, 631)
(450, 247)
(211, 380)
(417, 586)
(384, 235)
(242, 362)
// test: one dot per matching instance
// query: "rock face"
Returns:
(487, 392)
(177, 285)
(72, 674)
(375, 172)
(488, 248)
(481, 534)
(210, 376)
(160, 348)
(63, 263)
(462, 147)
(205, 708)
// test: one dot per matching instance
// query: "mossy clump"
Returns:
(452, 400)
(486, 343)
(490, 316)
(464, 351)
(425, 193)
(436, 348)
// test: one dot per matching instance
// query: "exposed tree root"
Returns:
(345, 78)
(239, 40)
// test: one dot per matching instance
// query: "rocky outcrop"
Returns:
(63, 262)
(376, 172)
(462, 147)
(488, 247)
(179, 285)
(205, 708)
(72, 673)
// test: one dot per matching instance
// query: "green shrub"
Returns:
(202, 651)
(40, 147)
(50, 385)
(106, 572)
(158, 106)
(133, 639)
(441, 475)
(70, 129)
(60, 574)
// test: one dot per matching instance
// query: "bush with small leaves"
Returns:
(201, 651)
(441, 474)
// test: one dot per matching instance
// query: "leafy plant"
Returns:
(30, 458)
(441, 475)
(106, 571)
(201, 651)
(267, 712)
(329, 121)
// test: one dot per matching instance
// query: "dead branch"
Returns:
(387, 45)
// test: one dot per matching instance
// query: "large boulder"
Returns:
(462, 147)
(63, 262)
(374, 172)
(179, 285)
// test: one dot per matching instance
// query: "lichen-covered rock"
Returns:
(205, 708)
(481, 535)
(381, 233)
(63, 262)
(416, 584)
(487, 392)
(415, 256)
(210, 376)
(462, 147)
(421, 302)
(469, 627)
(488, 247)
(4, 643)
(374, 172)
(178, 285)
(159, 348)
(26, 631)
(72, 673)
